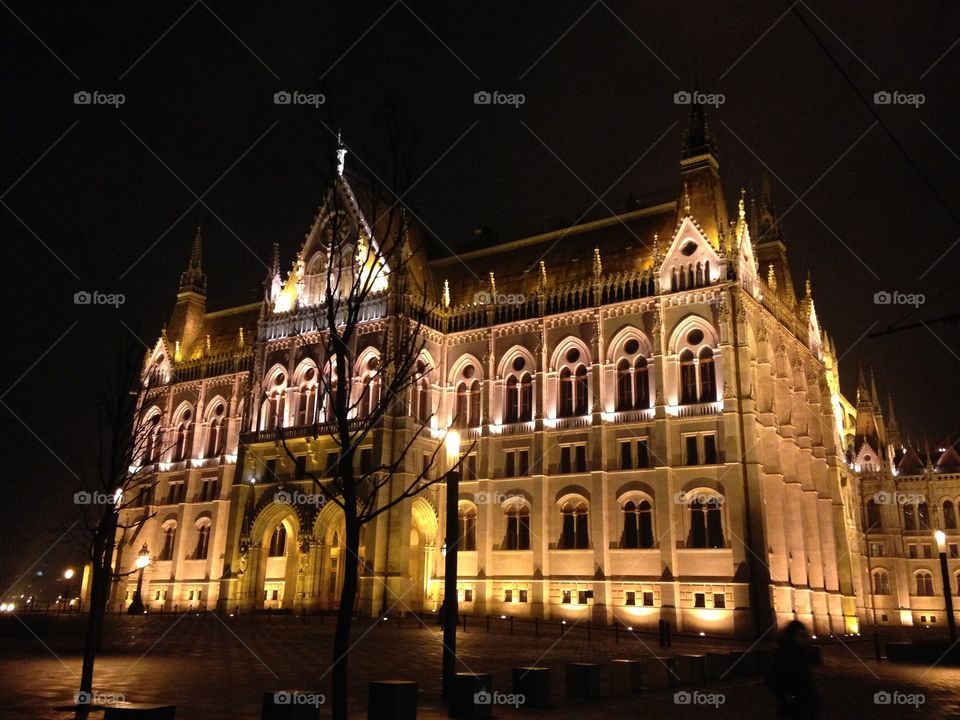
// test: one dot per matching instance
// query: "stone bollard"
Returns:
(472, 696)
(534, 684)
(583, 680)
(392, 700)
(139, 711)
(659, 673)
(626, 677)
(717, 665)
(692, 669)
(292, 705)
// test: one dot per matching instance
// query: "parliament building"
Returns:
(654, 426)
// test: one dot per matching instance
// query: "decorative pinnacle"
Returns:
(741, 206)
(597, 263)
(192, 279)
(341, 155)
(686, 199)
(446, 293)
(543, 274)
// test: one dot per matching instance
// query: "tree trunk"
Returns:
(341, 637)
(101, 576)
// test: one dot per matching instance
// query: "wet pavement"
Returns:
(218, 669)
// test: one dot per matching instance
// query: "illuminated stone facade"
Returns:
(658, 425)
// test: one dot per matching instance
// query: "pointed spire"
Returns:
(446, 294)
(193, 279)
(808, 294)
(768, 225)
(697, 139)
(341, 155)
(543, 276)
(863, 394)
(874, 395)
(686, 199)
(597, 264)
(771, 278)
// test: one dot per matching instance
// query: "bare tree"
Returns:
(373, 271)
(117, 476)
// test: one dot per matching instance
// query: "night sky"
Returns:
(98, 198)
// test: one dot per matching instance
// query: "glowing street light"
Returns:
(941, 537)
(69, 573)
(141, 561)
(451, 608)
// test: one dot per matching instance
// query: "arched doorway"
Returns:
(422, 556)
(280, 552)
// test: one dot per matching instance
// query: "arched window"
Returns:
(330, 402)
(278, 542)
(467, 517)
(624, 386)
(153, 439)
(307, 404)
(272, 413)
(881, 582)
(511, 412)
(923, 516)
(637, 525)
(873, 515)
(526, 398)
(216, 430)
(582, 389)
(566, 393)
(203, 540)
(909, 516)
(461, 415)
(706, 522)
(924, 583)
(518, 527)
(641, 383)
(422, 406)
(369, 398)
(183, 440)
(949, 515)
(708, 382)
(169, 539)
(688, 378)
(574, 534)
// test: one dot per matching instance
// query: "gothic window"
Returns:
(708, 382)
(278, 541)
(923, 516)
(881, 582)
(153, 439)
(518, 527)
(706, 522)
(216, 430)
(566, 393)
(422, 405)
(203, 540)
(574, 385)
(183, 439)
(574, 534)
(467, 517)
(873, 515)
(624, 386)
(949, 515)
(688, 378)
(307, 404)
(169, 538)
(272, 413)
(637, 525)
(924, 583)
(909, 516)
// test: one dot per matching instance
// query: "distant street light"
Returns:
(941, 538)
(143, 559)
(451, 608)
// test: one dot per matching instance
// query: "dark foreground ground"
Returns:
(215, 669)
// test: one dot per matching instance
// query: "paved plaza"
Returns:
(215, 669)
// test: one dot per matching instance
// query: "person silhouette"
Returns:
(789, 677)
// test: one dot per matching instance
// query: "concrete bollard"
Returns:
(583, 680)
(717, 665)
(534, 684)
(472, 696)
(659, 673)
(626, 677)
(692, 669)
(292, 705)
(139, 711)
(392, 700)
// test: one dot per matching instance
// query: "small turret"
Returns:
(186, 321)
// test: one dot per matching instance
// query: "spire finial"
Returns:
(341, 155)
(446, 294)
(686, 199)
(543, 275)
(741, 206)
(806, 287)
(597, 263)
(192, 279)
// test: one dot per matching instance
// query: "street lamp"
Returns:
(67, 576)
(451, 608)
(941, 538)
(143, 559)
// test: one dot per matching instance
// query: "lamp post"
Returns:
(143, 559)
(67, 577)
(451, 608)
(947, 590)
